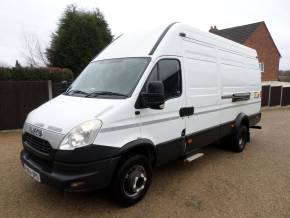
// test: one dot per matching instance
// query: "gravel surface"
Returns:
(255, 183)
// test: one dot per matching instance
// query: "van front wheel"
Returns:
(132, 180)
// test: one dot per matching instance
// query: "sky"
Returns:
(20, 18)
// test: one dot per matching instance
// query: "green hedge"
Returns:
(35, 74)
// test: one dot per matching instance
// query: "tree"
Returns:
(17, 64)
(284, 72)
(3, 64)
(34, 53)
(80, 36)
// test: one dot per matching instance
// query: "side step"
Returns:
(193, 157)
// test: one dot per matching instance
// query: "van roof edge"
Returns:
(160, 38)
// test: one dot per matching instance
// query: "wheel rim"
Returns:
(135, 181)
(242, 140)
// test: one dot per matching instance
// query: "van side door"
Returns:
(165, 127)
(203, 94)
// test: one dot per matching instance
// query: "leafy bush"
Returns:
(35, 74)
(29, 74)
(5, 73)
(284, 78)
(60, 74)
(284, 73)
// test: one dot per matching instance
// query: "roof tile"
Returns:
(238, 34)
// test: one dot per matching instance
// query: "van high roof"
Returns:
(165, 41)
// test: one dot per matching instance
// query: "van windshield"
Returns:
(109, 78)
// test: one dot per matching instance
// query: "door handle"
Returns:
(238, 96)
(186, 111)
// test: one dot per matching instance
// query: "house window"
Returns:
(262, 67)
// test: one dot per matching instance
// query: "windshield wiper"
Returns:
(96, 93)
(76, 91)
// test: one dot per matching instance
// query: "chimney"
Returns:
(213, 29)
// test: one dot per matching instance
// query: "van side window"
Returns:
(168, 71)
(154, 74)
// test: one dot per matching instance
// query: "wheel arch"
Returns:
(242, 119)
(140, 146)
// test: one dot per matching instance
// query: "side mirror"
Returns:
(154, 97)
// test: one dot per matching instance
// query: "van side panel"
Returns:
(202, 90)
(239, 74)
(233, 74)
(253, 75)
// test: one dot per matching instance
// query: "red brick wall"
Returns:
(261, 41)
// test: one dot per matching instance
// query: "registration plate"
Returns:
(32, 173)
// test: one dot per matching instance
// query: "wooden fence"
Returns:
(18, 98)
(275, 95)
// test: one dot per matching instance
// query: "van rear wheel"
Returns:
(132, 180)
(240, 139)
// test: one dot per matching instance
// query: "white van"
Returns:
(147, 99)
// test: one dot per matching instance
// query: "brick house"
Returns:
(258, 37)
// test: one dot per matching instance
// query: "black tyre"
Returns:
(132, 180)
(240, 139)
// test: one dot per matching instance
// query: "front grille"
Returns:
(37, 143)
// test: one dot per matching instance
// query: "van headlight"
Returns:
(82, 135)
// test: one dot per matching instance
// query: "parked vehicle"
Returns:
(147, 99)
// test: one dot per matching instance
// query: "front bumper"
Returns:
(72, 176)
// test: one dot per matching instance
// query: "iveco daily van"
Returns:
(147, 99)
